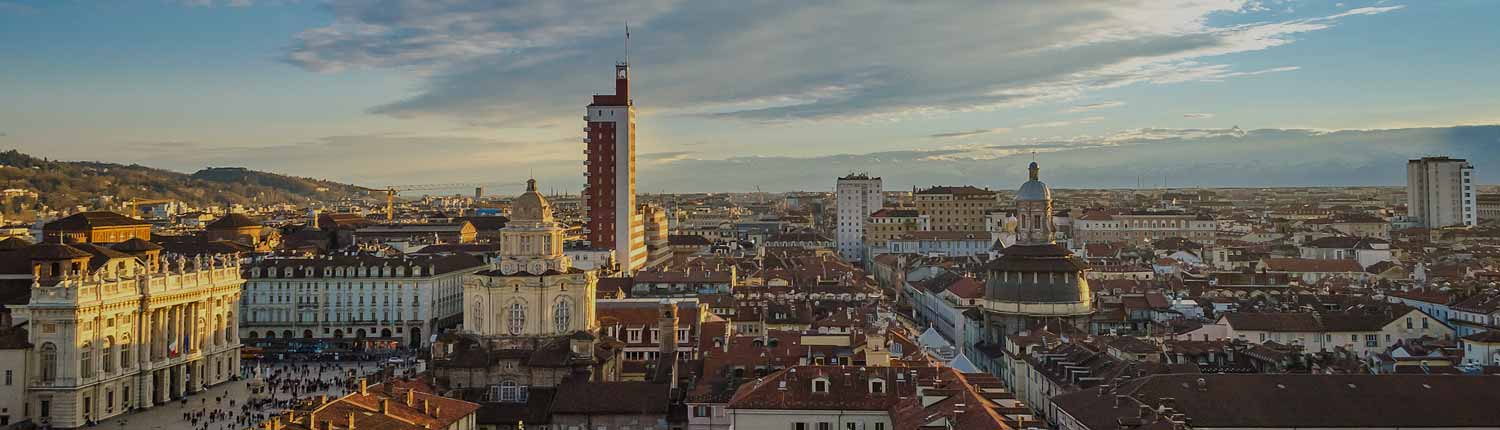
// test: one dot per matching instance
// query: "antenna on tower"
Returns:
(627, 42)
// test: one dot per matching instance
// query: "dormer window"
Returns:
(820, 385)
(877, 386)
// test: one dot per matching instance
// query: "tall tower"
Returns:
(856, 197)
(613, 220)
(1440, 192)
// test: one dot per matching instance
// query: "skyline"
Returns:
(388, 93)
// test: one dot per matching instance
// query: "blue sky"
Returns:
(384, 92)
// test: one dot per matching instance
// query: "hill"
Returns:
(62, 184)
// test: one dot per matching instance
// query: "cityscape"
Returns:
(1009, 216)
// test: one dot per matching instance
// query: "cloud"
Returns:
(1197, 115)
(665, 156)
(1094, 106)
(963, 134)
(1064, 123)
(844, 60)
(16, 8)
(1187, 157)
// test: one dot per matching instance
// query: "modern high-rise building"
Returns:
(613, 220)
(857, 196)
(1440, 192)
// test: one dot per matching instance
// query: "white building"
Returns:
(857, 196)
(1440, 192)
(353, 302)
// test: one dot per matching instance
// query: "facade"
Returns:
(856, 196)
(534, 291)
(658, 248)
(1363, 334)
(1440, 192)
(962, 208)
(15, 352)
(1488, 206)
(115, 329)
(890, 223)
(945, 243)
(95, 227)
(353, 302)
(609, 164)
(1144, 226)
(1034, 282)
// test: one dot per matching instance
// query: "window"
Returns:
(820, 385)
(700, 411)
(517, 318)
(562, 314)
(633, 335)
(879, 426)
(508, 391)
(795, 426)
(1371, 341)
(877, 386)
(8, 375)
(86, 361)
(825, 426)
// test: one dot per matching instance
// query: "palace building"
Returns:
(119, 327)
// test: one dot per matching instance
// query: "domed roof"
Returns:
(1036, 275)
(1034, 189)
(531, 206)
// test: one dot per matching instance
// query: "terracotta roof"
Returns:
(13, 243)
(612, 398)
(1303, 265)
(1291, 401)
(95, 219)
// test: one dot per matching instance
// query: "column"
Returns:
(165, 381)
(180, 390)
(201, 373)
(144, 386)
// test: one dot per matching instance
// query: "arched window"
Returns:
(478, 313)
(124, 347)
(86, 361)
(562, 314)
(49, 362)
(517, 318)
(107, 354)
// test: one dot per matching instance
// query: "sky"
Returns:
(772, 95)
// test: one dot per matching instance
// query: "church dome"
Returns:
(531, 206)
(1034, 189)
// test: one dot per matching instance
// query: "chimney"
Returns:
(411, 398)
(426, 407)
(364, 388)
(351, 420)
(385, 405)
(437, 411)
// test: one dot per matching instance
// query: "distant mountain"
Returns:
(62, 184)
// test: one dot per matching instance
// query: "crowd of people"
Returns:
(272, 389)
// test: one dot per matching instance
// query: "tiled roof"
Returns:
(1303, 265)
(96, 219)
(1292, 400)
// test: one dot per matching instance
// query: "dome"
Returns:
(531, 206)
(1034, 189)
(1038, 274)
